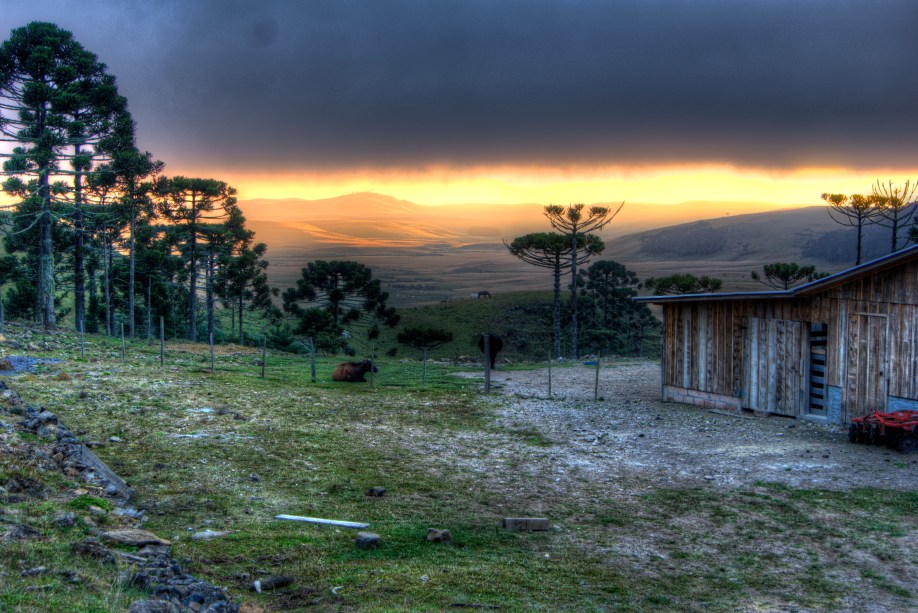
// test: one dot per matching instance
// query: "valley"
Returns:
(426, 254)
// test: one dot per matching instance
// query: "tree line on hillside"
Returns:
(95, 217)
(99, 232)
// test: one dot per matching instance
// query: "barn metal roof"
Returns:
(887, 261)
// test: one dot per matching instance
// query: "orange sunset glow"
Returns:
(544, 184)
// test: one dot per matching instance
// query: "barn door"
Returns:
(776, 366)
(866, 381)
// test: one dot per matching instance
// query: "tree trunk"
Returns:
(130, 307)
(107, 285)
(895, 231)
(860, 232)
(574, 293)
(149, 307)
(79, 287)
(193, 279)
(45, 293)
(557, 308)
(210, 293)
(240, 318)
(92, 324)
(46, 269)
(110, 286)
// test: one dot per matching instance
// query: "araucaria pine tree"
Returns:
(553, 250)
(194, 206)
(575, 224)
(56, 104)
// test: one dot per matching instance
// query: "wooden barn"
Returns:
(829, 350)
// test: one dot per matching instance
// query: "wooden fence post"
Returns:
(424, 367)
(596, 382)
(123, 349)
(211, 339)
(549, 373)
(162, 342)
(312, 358)
(487, 363)
(264, 354)
(372, 367)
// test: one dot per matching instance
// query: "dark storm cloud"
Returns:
(339, 83)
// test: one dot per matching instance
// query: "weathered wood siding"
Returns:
(757, 350)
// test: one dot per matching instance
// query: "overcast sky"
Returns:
(337, 84)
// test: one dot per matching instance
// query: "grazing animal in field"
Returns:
(353, 372)
(495, 344)
(484, 294)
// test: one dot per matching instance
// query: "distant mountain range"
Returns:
(429, 253)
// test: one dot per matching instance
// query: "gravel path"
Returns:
(634, 441)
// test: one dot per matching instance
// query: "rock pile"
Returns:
(154, 569)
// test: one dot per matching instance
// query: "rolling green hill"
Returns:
(521, 319)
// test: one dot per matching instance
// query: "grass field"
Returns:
(228, 450)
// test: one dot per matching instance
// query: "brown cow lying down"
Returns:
(353, 372)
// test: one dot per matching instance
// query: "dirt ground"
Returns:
(632, 440)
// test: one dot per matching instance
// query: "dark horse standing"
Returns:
(495, 344)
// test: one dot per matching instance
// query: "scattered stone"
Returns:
(149, 551)
(114, 439)
(97, 511)
(128, 512)
(377, 492)
(273, 582)
(5, 364)
(21, 532)
(248, 607)
(208, 535)
(93, 548)
(27, 486)
(151, 606)
(83, 395)
(71, 576)
(254, 477)
(439, 536)
(46, 417)
(65, 519)
(367, 540)
(133, 536)
(34, 572)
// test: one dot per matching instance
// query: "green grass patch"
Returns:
(230, 449)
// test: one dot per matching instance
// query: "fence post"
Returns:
(162, 342)
(372, 367)
(264, 354)
(312, 358)
(123, 350)
(487, 363)
(424, 367)
(596, 383)
(211, 351)
(82, 341)
(549, 373)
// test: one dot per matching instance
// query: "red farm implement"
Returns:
(898, 429)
